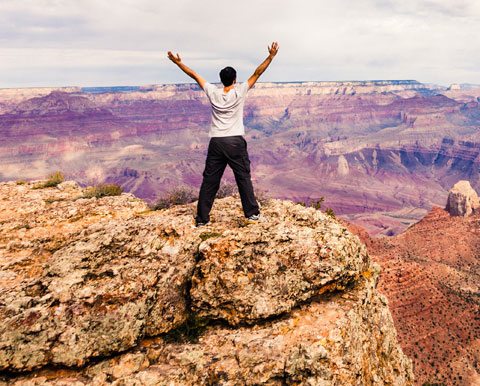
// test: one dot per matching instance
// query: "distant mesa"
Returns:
(462, 86)
(454, 86)
(58, 103)
(462, 199)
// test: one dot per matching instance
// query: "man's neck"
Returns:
(228, 88)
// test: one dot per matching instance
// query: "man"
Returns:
(227, 145)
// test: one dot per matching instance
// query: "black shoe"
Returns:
(254, 217)
(202, 224)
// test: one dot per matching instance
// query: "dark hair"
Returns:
(228, 75)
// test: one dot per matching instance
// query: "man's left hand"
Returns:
(173, 58)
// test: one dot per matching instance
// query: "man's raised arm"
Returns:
(192, 74)
(272, 51)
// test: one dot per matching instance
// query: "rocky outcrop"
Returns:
(124, 295)
(462, 199)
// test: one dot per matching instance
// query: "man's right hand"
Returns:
(273, 49)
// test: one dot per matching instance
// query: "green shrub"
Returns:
(20, 182)
(53, 180)
(317, 204)
(330, 212)
(23, 225)
(102, 190)
(177, 196)
(312, 202)
(54, 199)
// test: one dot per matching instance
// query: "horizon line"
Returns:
(194, 83)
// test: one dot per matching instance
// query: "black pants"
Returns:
(223, 151)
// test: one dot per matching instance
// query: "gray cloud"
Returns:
(99, 42)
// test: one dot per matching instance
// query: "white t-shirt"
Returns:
(227, 109)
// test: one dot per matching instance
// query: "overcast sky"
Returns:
(124, 42)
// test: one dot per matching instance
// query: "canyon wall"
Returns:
(382, 153)
(431, 276)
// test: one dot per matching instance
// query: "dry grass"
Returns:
(182, 195)
(262, 196)
(330, 212)
(53, 180)
(102, 190)
(227, 189)
(317, 204)
(177, 196)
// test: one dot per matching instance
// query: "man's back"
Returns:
(228, 146)
(227, 109)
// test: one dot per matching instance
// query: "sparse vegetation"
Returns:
(208, 235)
(182, 195)
(226, 190)
(317, 204)
(102, 190)
(330, 212)
(53, 180)
(54, 199)
(262, 196)
(177, 196)
(20, 182)
(312, 202)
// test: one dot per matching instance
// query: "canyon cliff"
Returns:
(107, 291)
(431, 275)
(382, 153)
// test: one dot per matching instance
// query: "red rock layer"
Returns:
(431, 276)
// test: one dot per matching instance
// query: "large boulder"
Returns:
(116, 278)
(265, 269)
(462, 199)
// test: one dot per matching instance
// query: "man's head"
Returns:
(228, 76)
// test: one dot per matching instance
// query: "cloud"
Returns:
(99, 42)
